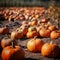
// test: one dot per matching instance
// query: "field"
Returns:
(11, 18)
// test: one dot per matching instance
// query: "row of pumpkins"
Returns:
(31, 29)
(12, 51)
(22, 13)
(39, 28)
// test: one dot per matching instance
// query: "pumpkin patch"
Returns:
(31, 29)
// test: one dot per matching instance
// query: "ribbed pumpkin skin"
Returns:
(16, 35)
(50, 50)
(44, 33)
(32, 34)
(10, 53)
(54, 35)
(34, 45)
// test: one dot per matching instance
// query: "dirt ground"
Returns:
(28, 55)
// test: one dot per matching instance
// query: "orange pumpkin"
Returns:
(35, 45)
(52, 28)
(37, 16)
(6, 42)
(44, 33)
(44, 20)
(54, 35)
(22, 17)
(50, 50)
(32, 34)
(34, 22)
(16, 35)
(13, 53)
(32, 28)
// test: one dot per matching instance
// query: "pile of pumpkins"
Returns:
(41, 28)
(10, 50)
(32, 29)
(37, 45)
(20, 13)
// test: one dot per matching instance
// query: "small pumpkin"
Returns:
(16, 35)
(32, 34)
(44, 20)
(35, 45)
(22, 17)
(54, 34)
(34, 22)
(52, 28)
(4, 30)
(6, 42)
(50, 50)
(13, 53)
(37, 16)
(32, 28)
(24, 22)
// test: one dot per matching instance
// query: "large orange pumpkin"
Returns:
(50, 50)
(10, 53)
(34, 45)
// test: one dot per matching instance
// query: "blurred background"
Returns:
(18, 3)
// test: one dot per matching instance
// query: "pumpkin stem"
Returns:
(35, 37)
(18, 41)
(13, 44)
(51, 42)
